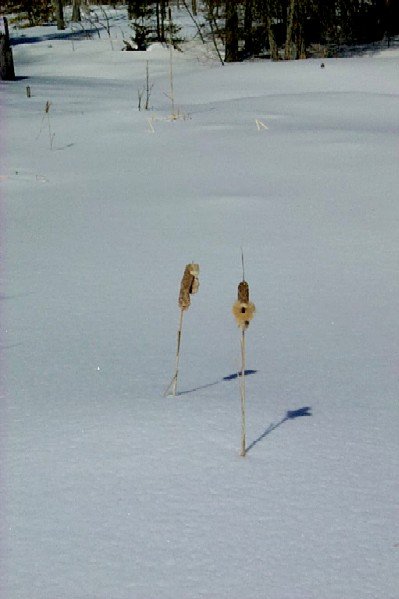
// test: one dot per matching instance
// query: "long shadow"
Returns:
(229, 377)
(361, 49)
(290, 415)
(52, 36)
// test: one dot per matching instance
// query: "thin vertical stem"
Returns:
(172, 96)
(147, 84)
(50, 133)
(172, 388)
(243, 396)
(179, 333)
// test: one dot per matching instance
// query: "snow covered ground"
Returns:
(111, 491)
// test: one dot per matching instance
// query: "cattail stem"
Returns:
(179, 333)
(171, 390)
(188, 286)
(242, 393)
(172, 95)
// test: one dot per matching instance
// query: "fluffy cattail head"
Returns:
(189, 285)
(243, 309)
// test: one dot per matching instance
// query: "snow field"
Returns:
(111, 490)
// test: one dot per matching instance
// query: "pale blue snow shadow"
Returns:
(290, 415)
(229, 377)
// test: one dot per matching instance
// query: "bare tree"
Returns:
(231, 32)
(59, 14)
(6, 59)
(76, 16)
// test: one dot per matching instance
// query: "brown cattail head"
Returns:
(243, 309)
(189, 285)
(243, 292)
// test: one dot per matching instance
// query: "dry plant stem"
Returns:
(172, 388)
(50, 133)
(243, 395)
(172, 97)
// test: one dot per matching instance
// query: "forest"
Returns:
(275, 29)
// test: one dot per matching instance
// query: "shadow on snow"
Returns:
(229, 377)
(290, 415)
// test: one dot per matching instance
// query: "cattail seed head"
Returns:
(189, 285)
(243, 309)
(243, 292)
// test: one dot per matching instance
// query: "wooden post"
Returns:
(7, 72)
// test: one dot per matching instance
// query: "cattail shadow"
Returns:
(235, 375)
(290, 415)
(229, 377)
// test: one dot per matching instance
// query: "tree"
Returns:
(248, 33)
(76, 16)
(6, 59)
(141, 14)
(231, 31)
(59, 13)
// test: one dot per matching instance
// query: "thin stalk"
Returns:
(243, 395)
(172, 388)
(172, 97)
(50, 133)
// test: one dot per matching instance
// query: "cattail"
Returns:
(243, 311)
(188, 286)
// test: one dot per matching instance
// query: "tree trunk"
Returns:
(290, 30)
(300, 42)
(194, 7)
(163, 18)
(248, 37)
(7, 72)
(231, 32)
(272, 39)
(76, 16)
(59, 15)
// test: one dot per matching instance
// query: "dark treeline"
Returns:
(287, 28)
(281, 29)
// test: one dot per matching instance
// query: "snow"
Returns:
(111, 490)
